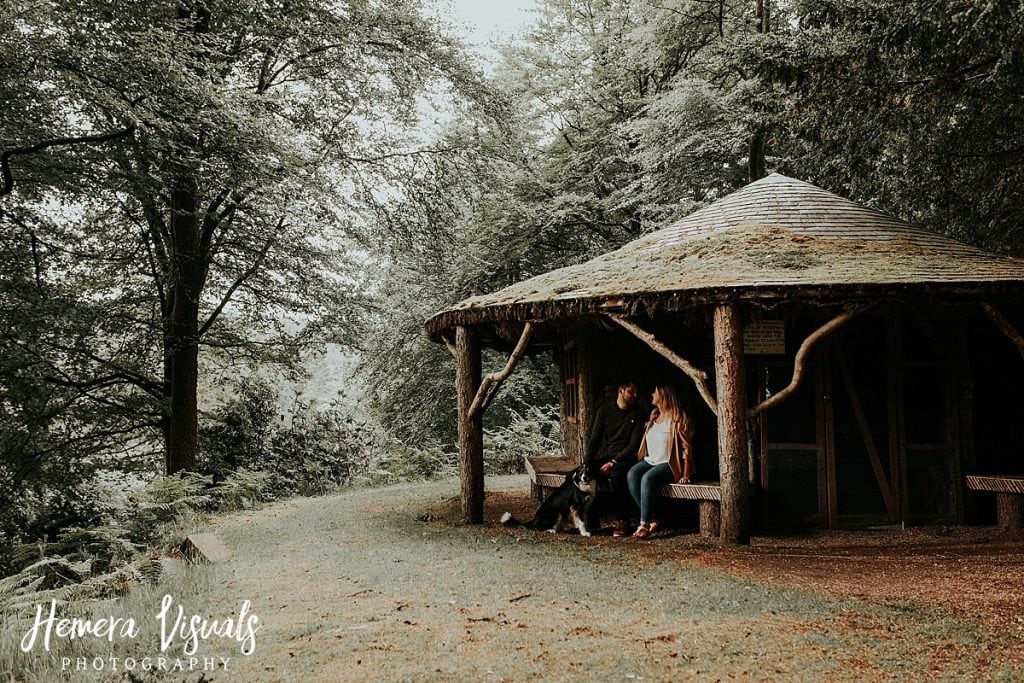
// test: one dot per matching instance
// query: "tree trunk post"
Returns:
(588, 389)
(471, 434)
(182, 338)
(732, 425)
(710, 518)
(1010, 511)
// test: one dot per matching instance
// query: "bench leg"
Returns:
(1010, 511)
(710, 518)
(537, 492)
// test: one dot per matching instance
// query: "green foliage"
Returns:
(159, 512)
(255, 454)
(213, 194)
(101, 548)
(397, 462)
(913, 107)
(624, 115)
(45, 506)
(244, 489)
(536, 430)
(621, 114)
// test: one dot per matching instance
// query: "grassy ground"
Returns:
(355, 587)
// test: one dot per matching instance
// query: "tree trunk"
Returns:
(732, 425)
(755, 157)
(471, 434)
(755, 148)
(181, 340)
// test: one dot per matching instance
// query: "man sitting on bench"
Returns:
(613, 445)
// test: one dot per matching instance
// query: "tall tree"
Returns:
(622, 114)
(912, 106)
(211, 157)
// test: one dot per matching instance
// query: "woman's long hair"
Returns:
(675, 412)
(669, 400)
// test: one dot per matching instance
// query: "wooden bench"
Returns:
(1009, 490)
(548, 472)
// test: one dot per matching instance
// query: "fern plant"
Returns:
(167, 504)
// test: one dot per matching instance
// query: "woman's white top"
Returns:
(658, 442)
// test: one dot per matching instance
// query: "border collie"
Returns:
(571, 501)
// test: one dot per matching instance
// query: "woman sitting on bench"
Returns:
(666, 455)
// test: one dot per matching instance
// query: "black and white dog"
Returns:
(571, 501)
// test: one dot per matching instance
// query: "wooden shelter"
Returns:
(843, 368)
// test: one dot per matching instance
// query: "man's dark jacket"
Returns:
(616, 434)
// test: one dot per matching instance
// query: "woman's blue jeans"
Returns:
(645, 481)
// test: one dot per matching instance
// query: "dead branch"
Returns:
(1004, 325)
(699, 377)
(799, 363)
(489, 386)
(249, 272)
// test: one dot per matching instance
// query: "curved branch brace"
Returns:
(699, 377)
(449, 344)
(1004, 325)
(489, 386)
(801, 359)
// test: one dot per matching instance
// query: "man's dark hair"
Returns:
(612, 390)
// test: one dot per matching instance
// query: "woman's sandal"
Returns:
(653, 525)
(642, 531)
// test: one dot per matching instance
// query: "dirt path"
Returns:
(354, 587)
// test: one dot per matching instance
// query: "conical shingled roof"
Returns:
(776, 234)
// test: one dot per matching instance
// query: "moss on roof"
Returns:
(775, 233)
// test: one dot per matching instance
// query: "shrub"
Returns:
(158, 512)
(317, 452)
(535, 430)
(44, 505)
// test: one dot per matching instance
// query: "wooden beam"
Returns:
(489, 387)
(894, 398)
(1005, 326)
(801, 360)
(732, 425)
(829, 407)
(449, 344)
(699, 377)
(471, 433)
(963, 393)
(1009, 511)
(865, 432)
(822, 407)
(588, 391)
(710, 518)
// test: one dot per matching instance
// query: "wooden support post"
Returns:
(1010, 511)
(894, 411)
(732, 424)
(588, 390)
(710, 518)
(965, 502)
(471, 433)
